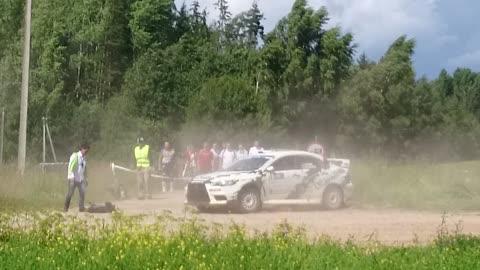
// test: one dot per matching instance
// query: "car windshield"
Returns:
(249, 164)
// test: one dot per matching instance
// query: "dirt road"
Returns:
(388, 226)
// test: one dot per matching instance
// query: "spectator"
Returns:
(216, 156)
(190, 162)
(256, 149)
(143, 161)
(166, 161)
(316, 147)
(241, 153)
(205, 159)
(77, 168)
(228, 156)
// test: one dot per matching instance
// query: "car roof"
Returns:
(282, 153)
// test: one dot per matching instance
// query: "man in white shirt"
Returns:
(166, 164)
(77, 168)
(242, 152)
(316, 147)
(256, 149)
(228, 156)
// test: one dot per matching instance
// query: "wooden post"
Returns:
(51, 143)
(2, 135)
(44, 153)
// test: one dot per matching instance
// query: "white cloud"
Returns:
(375, 23)
(469, 59)
(274, 10)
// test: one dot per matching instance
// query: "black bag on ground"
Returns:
(99, 209)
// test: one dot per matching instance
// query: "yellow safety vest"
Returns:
(142, 156)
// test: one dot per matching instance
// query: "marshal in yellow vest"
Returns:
(141, 155)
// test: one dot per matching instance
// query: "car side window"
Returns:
(306, 162)
(284, 164)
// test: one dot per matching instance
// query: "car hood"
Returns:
(225, 175)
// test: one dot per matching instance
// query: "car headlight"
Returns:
(229, 182)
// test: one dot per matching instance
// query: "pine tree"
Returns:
(198, 20)
(196, 14)
(224, 19)
(255, 29)
(363, 62)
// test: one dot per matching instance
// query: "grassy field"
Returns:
(448, 187)
(454, 186)
(58, 242)
(38, 190)
(54, 241)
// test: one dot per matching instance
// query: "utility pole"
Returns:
(1, 136)
(44, 152)
(22, 132)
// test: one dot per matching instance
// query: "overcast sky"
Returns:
(447, 32)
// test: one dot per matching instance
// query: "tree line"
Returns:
(105, 71)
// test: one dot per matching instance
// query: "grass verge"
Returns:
(449, 187)
(454, 186)
(37, 190)
(57, 242)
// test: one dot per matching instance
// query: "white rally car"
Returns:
(274, 178)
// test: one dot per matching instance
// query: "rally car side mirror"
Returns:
(270, 169)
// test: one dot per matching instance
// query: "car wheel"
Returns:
(248, 201)
(332, 198)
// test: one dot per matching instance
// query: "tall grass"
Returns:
(454, 186)
(46, 190)
(58, 242)
(32, 191)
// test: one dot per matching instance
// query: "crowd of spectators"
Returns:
(211, 157)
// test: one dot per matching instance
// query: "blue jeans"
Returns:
(71, 188)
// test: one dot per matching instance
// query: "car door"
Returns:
(284, 178)
(305, 164)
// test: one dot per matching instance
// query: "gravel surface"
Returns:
(388, 226)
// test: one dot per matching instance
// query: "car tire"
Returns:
(248, 201)
(332, 198)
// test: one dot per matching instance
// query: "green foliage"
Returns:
(68, 242)
(157, 85)
(223, 22)
(246, 28)
(305, 64)
(171, 73)
(382, 106)
(376, 102)
(228, 102)
(119, 128)
(155, 23)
